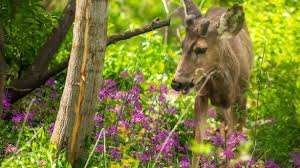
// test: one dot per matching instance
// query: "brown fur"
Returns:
(228, 58)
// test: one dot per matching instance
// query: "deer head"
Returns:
(202, 45)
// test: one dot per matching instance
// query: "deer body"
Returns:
(231, 62)
(217, 59)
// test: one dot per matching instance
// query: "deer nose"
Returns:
(177, 85)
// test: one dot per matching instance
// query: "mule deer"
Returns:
(216, 62)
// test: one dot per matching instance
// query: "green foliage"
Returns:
(274, 115)
(26, 27)
(35, 151)
(275, 82)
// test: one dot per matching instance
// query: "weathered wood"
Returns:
(74, 122)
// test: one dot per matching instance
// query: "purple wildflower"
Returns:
(137, 117)
(117, 109)
(119, 95)
(164, 89)
(112, 130)
(6, 102)
(162, 98)
(100, 148)
(184, 162)
(10, 149)
(271, 164)
(53, 94)
(212, 113)
(229, 154)
(217, 140)
(249, 163)
(138, 106)
(51, 128)
(296, 158)
(235, 138)
(125, 124)
(188, 124)
(115, 153)
(50, 83)
(109, 83)
(138, 77)
(165, 149)
(213, 165)
(103, 93)
(237, 165)
(135, 90)
(17, 118)
(98, 118)
(152, 88)
(151, 108)
(124, 74)
(172, 110)
(144, 157)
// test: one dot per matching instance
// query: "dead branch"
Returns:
(155, 24)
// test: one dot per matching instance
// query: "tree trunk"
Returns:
(2, 66)
(74, 123)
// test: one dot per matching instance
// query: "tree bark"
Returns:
(74, 122)
(2, 66)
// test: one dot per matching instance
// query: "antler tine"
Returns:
(190, 8)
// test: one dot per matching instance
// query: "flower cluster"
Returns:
(138, 123)
(6, 102)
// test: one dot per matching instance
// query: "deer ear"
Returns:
(231, 22)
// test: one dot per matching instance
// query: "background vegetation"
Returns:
(273, 127)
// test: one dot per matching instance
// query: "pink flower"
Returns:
(212, 113)
(137, 117)
(296, 158)
(98, 118)
(172, 110)
(117, 109)
(162, 98)
(164, 89)
(124, 74)
(152, 88)
(10, 149)
(229, 154)
(50, 83)
(271, 164)
(41, 162)
(6, 102)
(184, 162)
(138, 77)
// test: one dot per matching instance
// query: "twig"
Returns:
(166, 6)
(104, 148)
(257, 99)
(25, 119)
(88, 160)
(155, 24)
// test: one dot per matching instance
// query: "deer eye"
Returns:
(200, 50)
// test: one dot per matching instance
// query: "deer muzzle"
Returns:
(184, 87)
